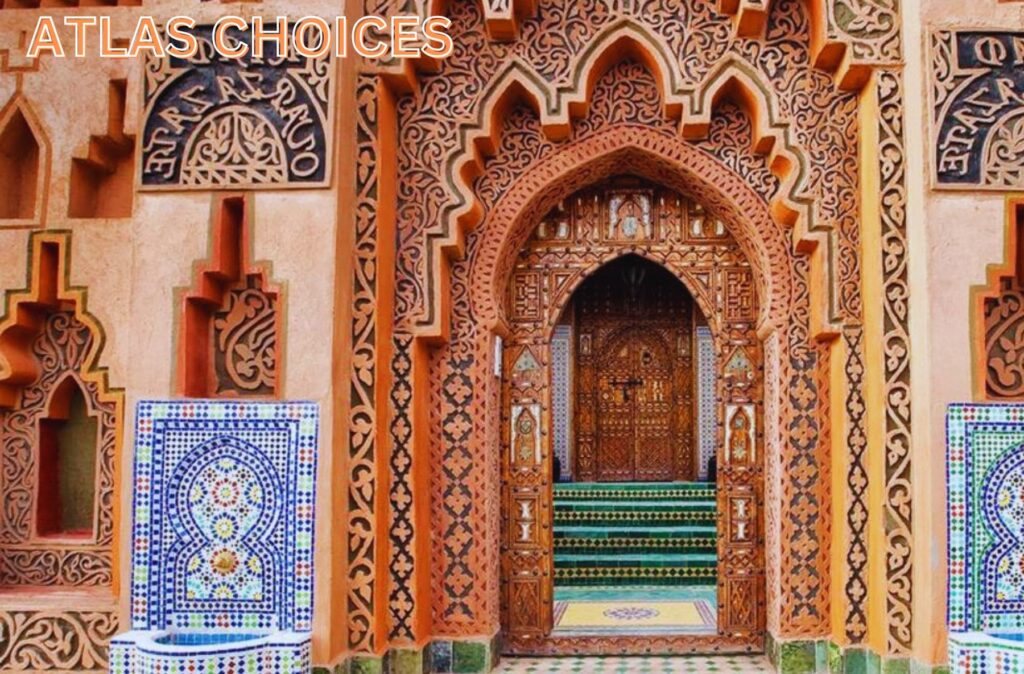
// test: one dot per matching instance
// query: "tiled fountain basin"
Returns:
(166, 652)
(982, 653)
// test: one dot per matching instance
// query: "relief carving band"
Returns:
(978, 109)
(213, 121)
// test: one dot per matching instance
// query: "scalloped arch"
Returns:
(733, 80)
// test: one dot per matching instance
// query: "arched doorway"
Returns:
(626, 267)
(633, 376)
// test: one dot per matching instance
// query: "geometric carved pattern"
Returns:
(218, 122)
(231, 325)
(857, 482)
(896, 345)
(401, 600)
(977, 89)
(224, 501)
(998, 319)
(985, 468)
(65, 341)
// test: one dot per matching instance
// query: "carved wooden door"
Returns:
(636, 433)
(634, 376)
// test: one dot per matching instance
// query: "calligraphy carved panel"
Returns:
(977, 109)
(217, 122)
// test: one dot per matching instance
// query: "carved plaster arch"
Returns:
(667, 160)
(48, 289)
(849, 38)
(732, 80)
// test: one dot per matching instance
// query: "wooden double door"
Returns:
(635, 376)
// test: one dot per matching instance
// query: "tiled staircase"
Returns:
(635, 533)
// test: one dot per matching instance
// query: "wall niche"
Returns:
(998, 318)
(60, 427)
(231, 318)
(22, 162)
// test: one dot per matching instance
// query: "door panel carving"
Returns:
(640, 378)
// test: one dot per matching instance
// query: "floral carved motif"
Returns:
(977, 109)
(363, 414)
(999, 319)
(55, 641)
(218, 122)
(896, 348)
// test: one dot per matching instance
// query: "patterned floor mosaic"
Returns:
(738, 664)
(634, 610)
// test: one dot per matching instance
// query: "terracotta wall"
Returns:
(132, 266)
(953, 236)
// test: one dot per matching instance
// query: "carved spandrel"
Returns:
(977, 106)
(218, 122)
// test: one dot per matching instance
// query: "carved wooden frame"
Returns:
(531, 563)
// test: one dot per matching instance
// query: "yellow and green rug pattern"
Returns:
(634, 611)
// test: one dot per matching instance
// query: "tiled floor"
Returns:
(635, 610)
(636, 665)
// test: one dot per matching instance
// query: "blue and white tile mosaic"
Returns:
(561, 394)
(706, 403)
(985, 520)
(224, 506)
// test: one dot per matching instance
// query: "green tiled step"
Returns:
(704, 530)
(689, 560)
(635, 534)
(638, 518)
(635, 575)
(642, 506)
(635, 545)
(634, 491)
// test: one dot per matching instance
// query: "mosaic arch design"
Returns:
(223, 525)
(226, 495)
(429, 126)
(985, 474)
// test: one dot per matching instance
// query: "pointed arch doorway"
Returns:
(599, 386)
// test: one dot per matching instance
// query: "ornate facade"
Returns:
(418, 247)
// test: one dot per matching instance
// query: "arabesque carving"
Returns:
(998, 318)
(47, 336)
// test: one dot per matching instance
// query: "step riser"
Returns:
(635, 534)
